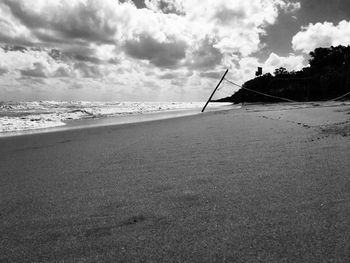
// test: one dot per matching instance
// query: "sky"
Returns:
(156, 50)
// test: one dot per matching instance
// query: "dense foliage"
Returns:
(327, 77)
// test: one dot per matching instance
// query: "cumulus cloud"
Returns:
(170, 75)
(12, 31)
(78, 20)
(137, 3)
(234, 26)
(76, 86)
(3, 71)
(204, 55)
(38, 71)
(247, 66)
(36, 63)
(88, 71)
(290, 7)
(158, 53)
(21, 58)
(322, 35)
(292, 62)
(121, 40)
(165, 6)
(211, 74)
(63, 72)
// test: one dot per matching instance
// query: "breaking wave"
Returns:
(22, 116)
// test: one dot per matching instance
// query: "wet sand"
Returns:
(258, 184)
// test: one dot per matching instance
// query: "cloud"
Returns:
(232, 25)
(70, 20)
(322, 35)
(289, 7)
(34, 62)
(178, 82)
(82, 53)
(204, 55)
(64, 72)
(20, 58)
(102, 43)
(76, 86)
(211, 74)
(151, 84)
(160, 54)
(292, 62)
(88, 71)
(39, 71)
(138, 3)
(165, 6)
(247, 66)
(170, 75)
(12, 31)
(3, 71)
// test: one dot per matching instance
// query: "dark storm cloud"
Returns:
(166, 55)
(78, 23)
(39, 71)
(206, 56)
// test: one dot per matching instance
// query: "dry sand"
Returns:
(259, 184)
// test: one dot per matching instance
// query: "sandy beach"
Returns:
(267, 183)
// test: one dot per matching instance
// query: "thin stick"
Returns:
(222, 78)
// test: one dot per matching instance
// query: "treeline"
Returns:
(327, 77)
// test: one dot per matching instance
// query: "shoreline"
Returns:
(153, 116)
(116, 120)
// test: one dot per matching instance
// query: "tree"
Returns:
(281, 72)
(327, 77)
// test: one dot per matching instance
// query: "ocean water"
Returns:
(35, 115)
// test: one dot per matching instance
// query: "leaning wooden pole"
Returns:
(222, 78)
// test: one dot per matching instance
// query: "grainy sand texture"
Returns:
(267, 183)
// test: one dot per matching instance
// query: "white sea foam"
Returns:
(22, 116)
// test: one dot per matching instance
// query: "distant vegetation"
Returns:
(327, 77)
